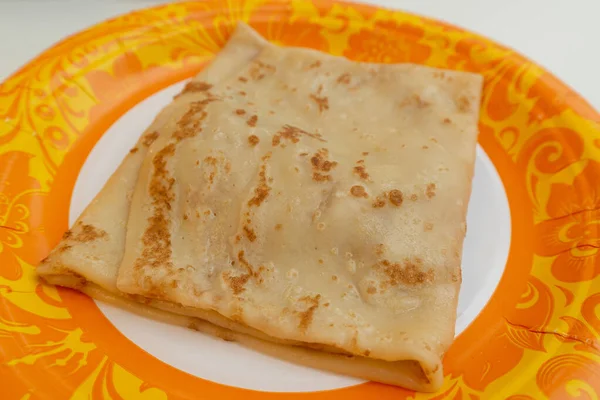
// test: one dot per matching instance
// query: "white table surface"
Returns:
(558, 34)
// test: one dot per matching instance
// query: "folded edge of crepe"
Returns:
(408, 374)
(85, 249)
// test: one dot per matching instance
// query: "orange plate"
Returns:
(537, 337)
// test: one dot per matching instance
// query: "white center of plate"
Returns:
(484, 257)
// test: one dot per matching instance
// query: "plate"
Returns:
(528, 323)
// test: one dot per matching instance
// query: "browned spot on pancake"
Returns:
(409, 272)
(425, 147)
(367, 353)
(379, 201)
(157, 237)
(190, 123)
(253, 140)
(457, 275)
(396, 198)
(243, 79)
(358, 191)
(414, 100)
(322, 101)
(344, 78)
(316, 64)
(252, 121)
(278, 227)
(212, 162)
(447, 120)
(320, 162)
(463, 103)
(261, 192)
(322, 166)
(242, 93)
(293, 134)
(428, 226)
(245, 263)
(236, 283)
(419, 102)
(185, 217)
(64, 248)
(318, 177)
(365, 153)
(360, 171)
(259, 70)
(88, 233)
(249, 232)
(321, 261)
(380, 249)
(239, 111)
(174, 284)
(430, 191)
(67, 235)
(194, 87)
(149, 138)
(334, 278)
(306, 317)
(371, 290)
(413, 197)
(134, 150)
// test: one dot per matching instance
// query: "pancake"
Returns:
(309, 206)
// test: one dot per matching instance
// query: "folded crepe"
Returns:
(308, 206)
